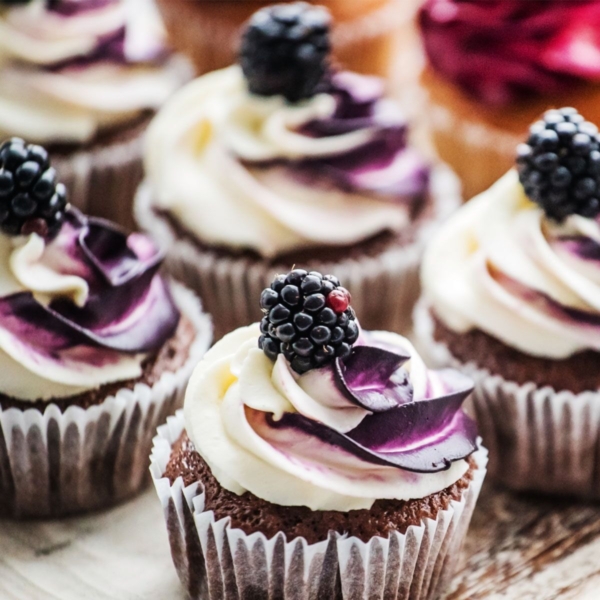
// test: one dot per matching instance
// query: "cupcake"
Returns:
(83, 78)
(317, 459)
(282, 161)
(366, 37)
(95, 347)
(494, 67)
(512, 297)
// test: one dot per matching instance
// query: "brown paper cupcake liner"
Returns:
(384, 288)
(539, 439)
(215, 561)
(58, 463)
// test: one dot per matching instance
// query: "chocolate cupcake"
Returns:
(282, 161)
(512, 297)
(313, 455)
(95, 347)
(494, 67)
(83, 78)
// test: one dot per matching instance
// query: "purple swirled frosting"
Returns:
(129, 307)
(109, 47)
(385, 166)
(421, 435)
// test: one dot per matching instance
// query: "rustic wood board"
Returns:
(518, 548)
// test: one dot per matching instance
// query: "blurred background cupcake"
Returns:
(95, 347)
(512, 297)
(366, 37)
(283, 160)
(84, 77)
(305, 463)
(494, 67)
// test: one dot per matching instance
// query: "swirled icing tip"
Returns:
(422, 430)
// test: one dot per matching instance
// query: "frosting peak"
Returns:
(217, 150)
(378, 425)
(503, 50)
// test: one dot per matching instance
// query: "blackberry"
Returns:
(308, 319)
(31, 200)
(559, 166)
(285, 50)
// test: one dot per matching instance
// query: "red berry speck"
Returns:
(339, 300)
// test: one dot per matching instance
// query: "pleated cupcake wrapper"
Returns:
(539, 439)
(216, 562)
(102, 181)
(384, 288)
(54, 464)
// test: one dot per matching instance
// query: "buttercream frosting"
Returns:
(501, 266)
(70, 70)
(380, 425)
(79, 310)
(331, 170)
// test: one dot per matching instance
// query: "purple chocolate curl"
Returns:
(423, 436)
(129, 308)
(371, 378)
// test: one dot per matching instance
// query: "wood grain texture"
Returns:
(519, 548)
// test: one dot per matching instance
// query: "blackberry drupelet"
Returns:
(30, 198)
(285, 50)
(559, 166)
(308, 319)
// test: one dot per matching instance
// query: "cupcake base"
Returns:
(382, 275)
(57, 460)
(214, 559)
(539, 439)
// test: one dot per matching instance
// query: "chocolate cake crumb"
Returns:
(578, 373)
(169, 358)
(252, 514)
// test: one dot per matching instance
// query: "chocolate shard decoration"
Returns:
(129, 308)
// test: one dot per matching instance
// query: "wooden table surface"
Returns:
(518, 548)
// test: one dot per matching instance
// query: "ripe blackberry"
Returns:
(308, 319)
(285, 50)
(559, 166)
(30, 198)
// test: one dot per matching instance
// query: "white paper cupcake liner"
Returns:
(215, 561)
(384, 287)
(102, 180)
(54, 463)
(539, 439)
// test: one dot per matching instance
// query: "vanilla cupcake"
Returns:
(512, 297)
(312, 454)
(494, 67)
(95, 347)
(255, 168)
(83, 78)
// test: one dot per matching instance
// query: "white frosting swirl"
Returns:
(198, 152)
(499, 265)
(27, 264)
(236, 384)
(72, 104)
